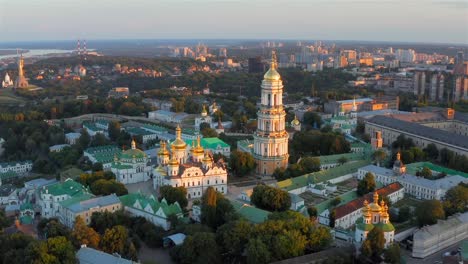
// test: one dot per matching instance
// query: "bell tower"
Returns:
(271, 139)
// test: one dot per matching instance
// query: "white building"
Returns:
(347, 214)
(431, 239)
(418, 187)
(51, 196)
(72, 138)
(131, 166)
(74, 207)
(8, 195)
(203, 118)
(151, 209)
(196, 171)
(167, 116)
(20, 167)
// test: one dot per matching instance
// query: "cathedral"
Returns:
(203, 118)
(271, 139)
(131, 166)
(194, 169)
(21, 81)
(374, 215)
(7, 82)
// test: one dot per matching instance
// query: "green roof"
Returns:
(92, 127)
(8, 175)
(360, 145)
(138, 131)
(26, 206)
(104, 154)
(102, 149)
(210, 143)
(250, 213)
(154, 127)
(464, 248)
(130, 153)
(130, 199)
(412, 168)
(331, 159)
(68, 187)
(26, 219)
(120, 166)
(321, 176)
(71, 173)
(345, 198)
(386, 227)
(76, 199)
(361, 226)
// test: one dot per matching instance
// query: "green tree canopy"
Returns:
(270, 198)
(456, 200)
(241, 163)
(174, 194)
(428, 212)
(367, 184)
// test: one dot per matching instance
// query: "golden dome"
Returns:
(207, 158)
(385, 212)
(178, 143)
(163, 150)
(272, 74)
(295, 122)
(173, 161)
(198, 149)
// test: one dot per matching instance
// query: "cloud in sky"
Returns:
(389, 20)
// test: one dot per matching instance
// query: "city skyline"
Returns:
(392, 20)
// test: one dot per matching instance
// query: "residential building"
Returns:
(74, 207)
(431, 239)
(195, 171)
(271, 139)
(119, 92)
(156, 212)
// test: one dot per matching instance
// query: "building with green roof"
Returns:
(26, 216)
(412, 168)
(131, 166)
(157, 212)
(299, 184)
(14, 168)
(214, 145)
(52, 195)
(250, 213)
(143, 133)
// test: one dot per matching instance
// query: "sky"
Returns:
(439, 21)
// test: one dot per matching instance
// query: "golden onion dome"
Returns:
(198, 149)
(207, 158)
(163, 150)
(272, 74)
(178, 143)
(295, 121)
(375, 208)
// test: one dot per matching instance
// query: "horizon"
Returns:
(438, 22)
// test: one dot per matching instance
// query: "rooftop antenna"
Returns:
(85, 51)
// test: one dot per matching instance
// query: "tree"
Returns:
(53, 250)
(431, 151)
(4, 220)
(199, 248)
(312, 211)
(174, 194)
(204, 125)
(116, 240)
(336, 201)
(216, 209)
(84, 235)
(379, 156)
(426, 173)
(428, 212)
(404, 214)
(270, 198)
(114, 130)
(342, 160)
(13, 247)
(374, 244)
(84, 139)
(97, 167)
(209, 133)
(106, 187)
(320, 239)
(52, 228)
(312, 120)
(257, 252)
(242, 163)
(366, 185)
(232, 238)
(99, 140)
(309, 164)
(392, 254)
(456, 200)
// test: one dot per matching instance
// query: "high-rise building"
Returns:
(460, 58)
(436, 89)
(405, 55)
(460, 83)
(256, 65)
(419, 83)
(271, 139)
(222, 52)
